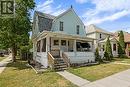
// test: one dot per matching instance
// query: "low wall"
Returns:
(80, 57)
(41, 57)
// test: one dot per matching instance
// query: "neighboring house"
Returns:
(97, 33)
(61, 39)
(100, 37)
(114, 46)
(127, 41)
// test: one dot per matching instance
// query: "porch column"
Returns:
(93, 47)
(67, 44)
(74, 47)
(47, 44)
(60, 44)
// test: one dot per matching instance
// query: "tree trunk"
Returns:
(14, 53)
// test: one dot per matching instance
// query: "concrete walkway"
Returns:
(121, 79)
(3, 63)
(73, 78)
(121, 63)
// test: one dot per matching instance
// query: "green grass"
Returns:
(1, 58)
(18, 75)
(96, 72)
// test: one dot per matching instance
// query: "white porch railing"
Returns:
(80, 57)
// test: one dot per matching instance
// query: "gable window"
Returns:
(114, 47)
(100, 36)
(77, 27)
(61, 26)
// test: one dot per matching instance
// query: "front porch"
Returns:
(77, 49)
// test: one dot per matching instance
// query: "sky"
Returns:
(110, 15)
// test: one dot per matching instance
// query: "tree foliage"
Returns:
(121, 44)
(14, 32)
(108, 50)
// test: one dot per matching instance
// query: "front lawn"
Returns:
(96, 72)
(18, 75)
(122, 60)
(1, 58)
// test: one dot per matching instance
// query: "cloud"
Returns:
(81, 1)
(106, 10)
(46, 3)
(109, 18)
(47, 7)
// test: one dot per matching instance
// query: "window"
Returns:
(56, 42)
(128, 45)
(44, 45)
(114, 47)
(77, 29)
(63, 42)
(38, 46)
(100, 36)
(61, 26)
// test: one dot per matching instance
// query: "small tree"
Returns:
(108, 51)
(97, 54)
(121, 44)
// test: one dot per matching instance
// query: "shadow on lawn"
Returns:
(19, 64)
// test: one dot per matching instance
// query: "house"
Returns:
(100, 37)
(127, 41)
(61, 39)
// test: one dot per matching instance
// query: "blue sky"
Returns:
(111, 15)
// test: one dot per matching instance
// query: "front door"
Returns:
(63, 45)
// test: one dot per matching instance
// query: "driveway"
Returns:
(121, 79)
(3, 63)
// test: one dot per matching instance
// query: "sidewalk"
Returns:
(73, 78)
(3, 63)
(121, 79)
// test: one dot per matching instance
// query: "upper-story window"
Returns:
(61, 26)
(100, 36)
(77, 29)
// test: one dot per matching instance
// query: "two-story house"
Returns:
(61, 39)
(100, 37)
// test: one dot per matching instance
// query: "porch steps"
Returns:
(60, 65)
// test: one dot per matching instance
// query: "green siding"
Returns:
(70, 20)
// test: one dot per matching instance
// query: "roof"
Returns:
(92, 28)
(126, 36)
(63, 35)
(111, 39)
(70, 9)
(44, 21)
(45, 15)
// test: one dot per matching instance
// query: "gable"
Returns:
(70, 20)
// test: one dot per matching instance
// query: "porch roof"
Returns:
(63, 35)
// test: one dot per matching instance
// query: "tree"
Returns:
(14, 31)
(108, 50)
(121, 44)
(97, 56)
